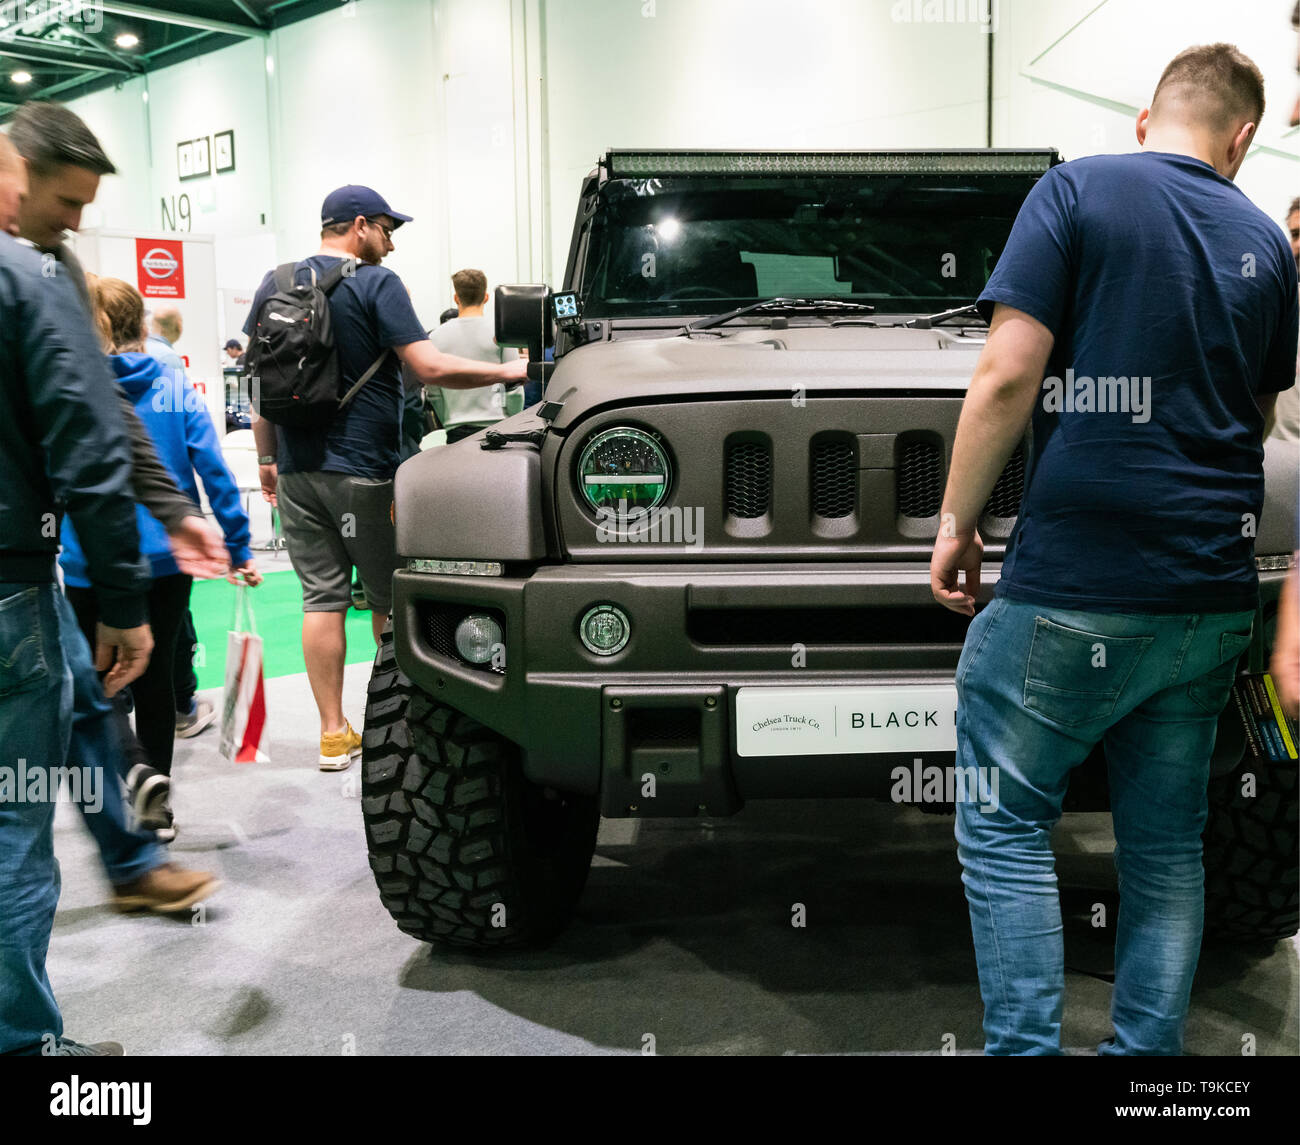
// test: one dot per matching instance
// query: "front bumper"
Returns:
(665, 704)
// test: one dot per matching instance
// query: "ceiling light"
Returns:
(21, 77)
(126, 40)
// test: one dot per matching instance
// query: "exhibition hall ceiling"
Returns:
(61, 49)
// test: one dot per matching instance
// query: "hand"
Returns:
(516, 371)
(198, 549)
(952, 554)
(123, 650)
(269, 475)
(245, 574)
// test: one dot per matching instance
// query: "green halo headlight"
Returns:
(624, 465)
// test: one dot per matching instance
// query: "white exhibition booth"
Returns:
(179, 269)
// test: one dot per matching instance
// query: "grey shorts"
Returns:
(331, 522)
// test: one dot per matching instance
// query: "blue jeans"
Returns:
(1037, 689)
(35, 725)
(97, 747)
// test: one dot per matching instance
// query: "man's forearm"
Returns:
(993, 421)
(264, 436)
(434, 368)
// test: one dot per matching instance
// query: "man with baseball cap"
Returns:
(334, 485)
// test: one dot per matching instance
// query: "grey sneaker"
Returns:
(67, 1048)
(201, 714)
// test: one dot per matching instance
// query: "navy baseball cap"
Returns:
(345, 204)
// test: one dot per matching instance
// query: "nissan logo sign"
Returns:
(160, 263)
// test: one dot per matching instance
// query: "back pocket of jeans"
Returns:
(1076, 677)
(22, 655)
(1210, 692)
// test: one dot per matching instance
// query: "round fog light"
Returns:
(477, 637)
(605, 630)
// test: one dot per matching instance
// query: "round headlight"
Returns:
(477, 637)
(605, 630)
(624, 469)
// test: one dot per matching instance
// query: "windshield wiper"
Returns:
(945, 316)
(805, 305)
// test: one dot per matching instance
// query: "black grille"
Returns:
(1004, 501)
(920, 479)
(440, 622)
(834, 479)
(664, 727)
(749, 478)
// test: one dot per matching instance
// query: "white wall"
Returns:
(762, 74)
(223, 91)
(1080, 90)
(481, 117)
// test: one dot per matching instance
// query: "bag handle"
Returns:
(370, 373)
(243, 612)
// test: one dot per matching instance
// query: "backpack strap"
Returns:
(286, 275)
(370, 373)
(345, 269)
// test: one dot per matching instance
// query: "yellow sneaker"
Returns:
(339, 749)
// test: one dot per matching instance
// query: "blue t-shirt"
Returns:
(1173, 301)
(370, 311)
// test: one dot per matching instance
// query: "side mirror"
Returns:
(523, 318)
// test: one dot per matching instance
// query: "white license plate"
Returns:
(846, 720)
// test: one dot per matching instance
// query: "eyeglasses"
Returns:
(388, 231)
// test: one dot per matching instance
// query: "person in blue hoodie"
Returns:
(178, 422)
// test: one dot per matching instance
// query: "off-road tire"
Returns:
(466, 851)
(1252, 877)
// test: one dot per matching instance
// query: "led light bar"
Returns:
(645, 479)
(653, 164)
(458, 568)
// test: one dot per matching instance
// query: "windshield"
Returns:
(664, 247)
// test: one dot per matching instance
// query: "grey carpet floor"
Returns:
(683, 942)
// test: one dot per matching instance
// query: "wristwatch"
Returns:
(266, 459)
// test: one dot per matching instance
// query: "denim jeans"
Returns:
(1037, 689)
(97, 746)
(35, 724)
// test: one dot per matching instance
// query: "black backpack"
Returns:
(292, 368)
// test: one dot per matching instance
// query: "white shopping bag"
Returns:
(243, 708)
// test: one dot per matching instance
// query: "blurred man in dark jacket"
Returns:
(42, 191)
(63, 447)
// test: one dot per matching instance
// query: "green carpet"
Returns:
(277, 613)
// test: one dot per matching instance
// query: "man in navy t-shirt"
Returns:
(334, 485)
(1144, 316)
